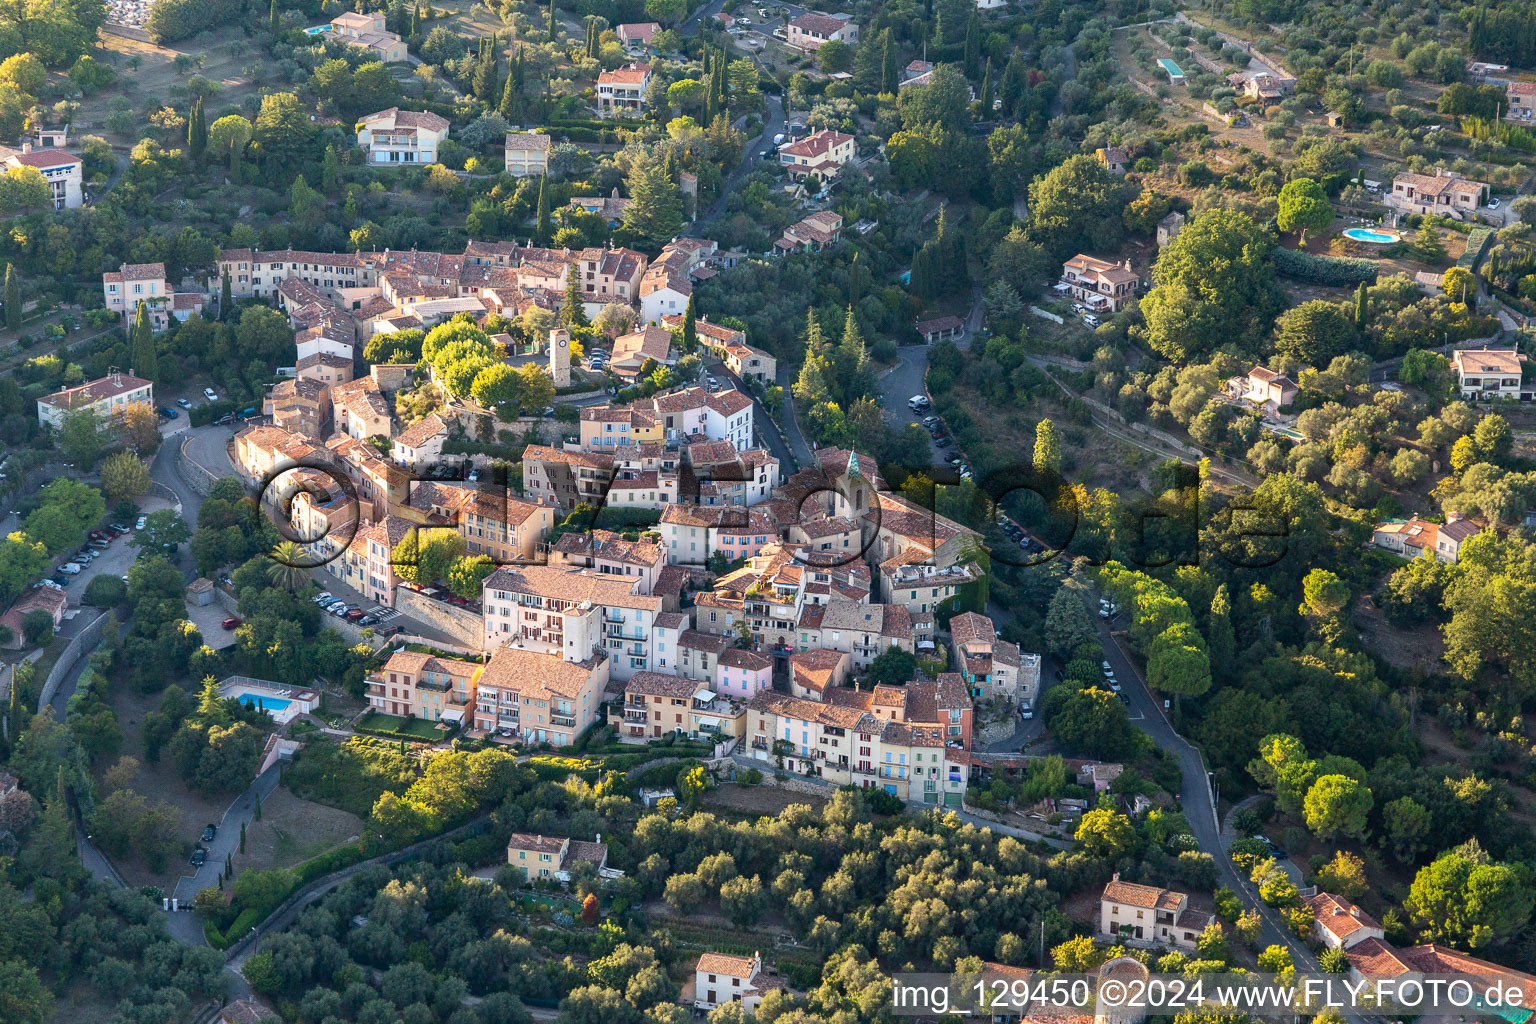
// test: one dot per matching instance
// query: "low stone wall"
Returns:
(995, 732)
(84, 642)
(461, 624)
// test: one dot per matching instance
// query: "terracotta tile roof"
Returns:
(522, 670)
(45, 158)
(1136, 895)
(752, 661)
(816, 145)
(730, 966)
(535, 843)
(422, 431)
(634, 74)
(970, 627)
(660, 684)
(527, 142)
(408, 119)
(708, 643)
(142, 271)
(1338, 916)
(818, 23)
(95, 391)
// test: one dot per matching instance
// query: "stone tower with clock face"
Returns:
(560, 357)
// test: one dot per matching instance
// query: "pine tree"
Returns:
(810, 387)
(226, 296)
(850, 356)
(542, 226)
(197, 133)
(210, 703)
(12, 299)
(690, 329)
(1362, 305)
(1221, 641)
(141, 349)
(815, 341)
(572, 313)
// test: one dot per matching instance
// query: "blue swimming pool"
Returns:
(1374, 237)
(254, 700)
(317, 30)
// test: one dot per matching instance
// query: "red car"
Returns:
(231, 623)
(355, 614)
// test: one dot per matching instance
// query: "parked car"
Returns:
(918, 402)
(70, 568)
(354, 614)
(199, 857)
(225, 420)
(183, 403)
(210, 832)
(210, 394)
(50, 584)
(233, 622)
(324, 595)
(1026, 710)
(1493, 204)
(119, 527)
(168, 413)
(140, 524)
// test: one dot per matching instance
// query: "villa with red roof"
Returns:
(621, 92)
(817, 156)
(64, 173)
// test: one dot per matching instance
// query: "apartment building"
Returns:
(574, 612)
(427, 687)
(564, 479)
(107, 397)
(360, 410)
(863, 631)
(814, 672)
(610, 275)
(694, 532)
(910, 580)
(492, 523)
(604, 427)
(300, 405)
(622, 92)
(419, 447)
(991, 669)
(657, 704)
(394, 137)
(539, 696)
(676, 415)
(607, 552)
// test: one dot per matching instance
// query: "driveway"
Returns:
(773, 125)
(226, 842)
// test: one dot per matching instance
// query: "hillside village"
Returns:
(654, 511)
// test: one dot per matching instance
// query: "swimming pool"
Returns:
(317, 30)
(1373, 237)
(254, 700)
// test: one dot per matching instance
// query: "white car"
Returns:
(1493, 204)
(70, 568)
(210, 394)
(140, 524)
(1026, 711)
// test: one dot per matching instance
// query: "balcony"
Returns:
(636, 650)
(760, 743)
(562, 721)
(636, 717)
(862, 769)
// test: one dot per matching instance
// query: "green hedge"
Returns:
(1324, 270)
(202, 415)
(331, 860)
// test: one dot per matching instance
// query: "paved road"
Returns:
(226, 842)
(791, 425)
(766, 426)
(1196, 795)
(773, 125)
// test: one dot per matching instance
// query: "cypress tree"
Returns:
(197, 133)
(142, 346)
(257, 815)
(12, 299)
(242, 838)
(972, 46)
(551, 20)
(226, 296)
(1361, 305)
(274, 22)
(690, 330)
(986, 91)
(543, 226)
(888, 81)
(61, 791)
(415, 19)
(509, 99)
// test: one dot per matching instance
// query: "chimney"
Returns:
(1116, 877)
(26, 147)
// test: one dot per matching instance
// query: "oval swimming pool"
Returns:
(1373, 237)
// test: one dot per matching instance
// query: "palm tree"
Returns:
(288, 569)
